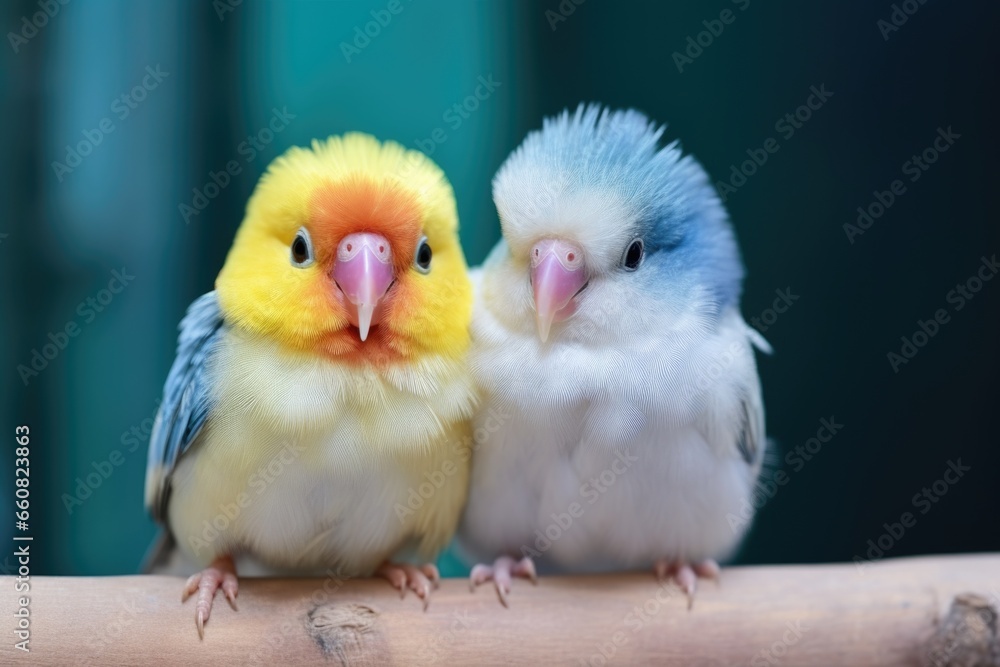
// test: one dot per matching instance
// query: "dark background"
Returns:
(227, 72)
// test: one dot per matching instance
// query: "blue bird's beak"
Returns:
(558, 274)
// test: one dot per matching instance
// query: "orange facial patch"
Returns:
(363, 205)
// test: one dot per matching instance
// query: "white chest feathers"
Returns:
(609, 457)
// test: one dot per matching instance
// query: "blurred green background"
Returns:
(222, 69)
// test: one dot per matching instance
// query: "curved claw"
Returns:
(431, 572)
(501, 573)
(686, 576)
(526, 568)
(707, 569)
(220, 574)
(421, 580)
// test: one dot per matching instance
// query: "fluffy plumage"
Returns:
(286, 442)
(654, 364)
(349, 184)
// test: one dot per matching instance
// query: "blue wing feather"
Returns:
(186, 400)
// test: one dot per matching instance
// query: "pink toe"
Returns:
(481, 573)
(707, 569)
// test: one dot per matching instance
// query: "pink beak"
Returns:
(557, 275)
(363, 272)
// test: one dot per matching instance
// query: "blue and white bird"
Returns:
(621, 418)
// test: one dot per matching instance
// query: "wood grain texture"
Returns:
(914, 611)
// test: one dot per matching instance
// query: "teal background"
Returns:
(227, 72)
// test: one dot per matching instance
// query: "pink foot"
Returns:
(220, 574)
(686, 576)
(501, 572)
(421, 580)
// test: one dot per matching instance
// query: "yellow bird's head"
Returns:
(350, 250)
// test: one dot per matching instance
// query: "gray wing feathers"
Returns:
(186, 400)
(750, 437)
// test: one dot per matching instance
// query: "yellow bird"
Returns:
(315, 418)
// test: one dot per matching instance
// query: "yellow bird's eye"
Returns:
(422, 259)
(302, 249)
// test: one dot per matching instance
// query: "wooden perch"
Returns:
(914, 611)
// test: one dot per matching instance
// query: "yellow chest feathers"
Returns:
(268, 392)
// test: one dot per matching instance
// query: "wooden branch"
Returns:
(915, 611)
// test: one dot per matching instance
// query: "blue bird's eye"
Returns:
(633, 255)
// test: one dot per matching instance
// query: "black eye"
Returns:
(302, 250)
(422, 260)
(633, 255)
